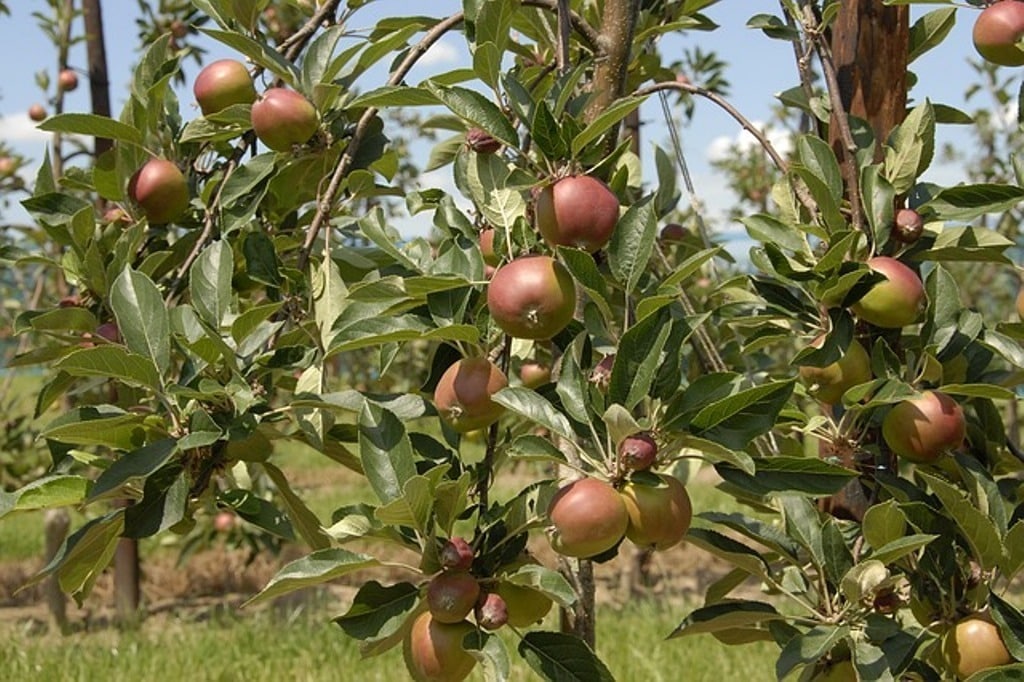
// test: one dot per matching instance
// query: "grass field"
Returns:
(304, 645)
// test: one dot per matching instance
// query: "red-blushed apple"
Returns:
(997, 32)
(922, 428)
(673, 232)
(67, 80)
(433, 651)
(481, 141)
(588, 517)
(37, 112)
(224, 521)
(533, 374)
(638, 452)
(221, 84)
(829, 383)
(908, 227)
(451, 595)
(894, 302)
(491, 611)
(532, 297)
(283, 119)
(457, 554)
(578, 211)
(463, 394)
(160, 190)
(972, 645)
(7, 166)
(659, 515)
(487, 247)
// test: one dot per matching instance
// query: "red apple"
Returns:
(588, 517)
(922, 428)
(67, 80)
(487, 247)
(997, 30)
(673, 232)
(577, 211)
(463, 394)
(532, 297)
(491, 611)
(909, 226)
(221, 84)
(284, 118)
(37, 112)
(433, 651)
(451, 595)
(534, 374)
(638, 452)
(160, 190)
(457, 554)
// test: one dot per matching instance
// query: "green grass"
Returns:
(306, 646)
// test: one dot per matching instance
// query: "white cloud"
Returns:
(20, 128)
(720, 147)
(440, 53)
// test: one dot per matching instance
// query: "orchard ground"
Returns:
(195, 628)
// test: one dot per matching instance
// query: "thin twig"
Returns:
(293, 45)
(563, 36)
(589, 34)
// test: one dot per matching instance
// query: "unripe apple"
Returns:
(284, 118)
(588, 517)
(37, 112)
(456, 554)
(532, 297)
(843, 671)
(895, 302)
(451, 595)
(160, 190)
(659, 516)
(221, 84)
(638, 452)
(487, 247)
(909, 226)
(829, 383)
(491, 612)
(974, 644)
(997, 30)
(463, 394)
(433, 651)
(481, 141)
(524, 606)
(534, 375)
(922, 428)
(67, 80)
(577, 211)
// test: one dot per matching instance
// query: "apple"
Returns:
(843, 671)
(974, 644)
(909, 226)
(487, 247)
(601, 375)
(922, 428)
(37, 112)
(67, 80)
(433, 651)
(674, 232)
(997, 30)
(638, 452)
(525, 606)
(179, 29)
(221, 84)
(160, 190)
(577, 211)
(491, 611)
(223, 522)
(481, 141)
(659, 515)
(7, 166)
(463, 394)
(829, 383)
(894, 302)
(532, 297)
(283, 118)
(588, 517)
(451, 595)
(457, 554)
(534, 374)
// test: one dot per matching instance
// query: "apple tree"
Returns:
(841, 387)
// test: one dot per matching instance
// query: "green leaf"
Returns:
(979, 530)
(413, 508)
(84, 555)
(302, 517)
(114, 362)
(901, 547)
(1014, 549)
(724, 616)
(611, 116)
(1003, 673)
(583, 269)
(58, 490)
(136, 464)
(98, 425)
(259, 512)
(767, 228)
(1011, 624)
(378, 611)
(817, 156)
(164, 501)
(808, 647)
(489, 650)
(560, 657)
(210, 283)
(260, 53)
(911, 147)
(930, 30)
(533, 406)
(629, 251)
(317, 568)
(385, 452)
(803, 523)
(395, 96)
(732, 551)
(543, 579)
(964, 203)
(93, 126)
(803, 475)
(883, 523)
(638, 359)
(478, 110)
(738, 419)
(329, 295)
(142, 317)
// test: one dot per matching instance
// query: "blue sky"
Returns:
(758, 68)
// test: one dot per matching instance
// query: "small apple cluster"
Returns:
(433, 647)
(280, 118)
